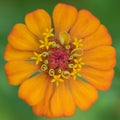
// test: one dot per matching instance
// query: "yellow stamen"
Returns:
(57, 79)
(77, 67)
(75, 72)
(45, 43)
(46, 61)
(77, 51)
(70, 65)
(66, 74)
(37, 57)
(67, 47)
(78, 63)
(54, 45)
(51, 72)
(64, 38)
(71, 57)
(44, 67)
(59, 70)
(48, 33)
(77, 43)
(44, 54)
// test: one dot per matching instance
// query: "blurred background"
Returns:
(13, 11)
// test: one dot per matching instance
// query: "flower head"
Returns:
(48, 62)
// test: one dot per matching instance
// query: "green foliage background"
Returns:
(13, 11)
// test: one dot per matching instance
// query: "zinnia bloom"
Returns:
(62, 66)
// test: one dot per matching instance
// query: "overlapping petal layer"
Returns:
(63, 17)
(18, 71)
(102, 58)
(62, 103)
(12, 54)
(33, 90)
(100, 37)
(102, 80)
(43, 107)
(21, 38)
(85, 25)
(83, 93)
(38, 21)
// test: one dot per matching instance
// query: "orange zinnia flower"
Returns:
(49, 63)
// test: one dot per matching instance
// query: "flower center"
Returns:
(60, 58)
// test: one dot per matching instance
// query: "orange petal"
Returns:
(43, 107)
(85, 24)
(33, 90)
(62, 103)
(103, 57)
(98, 38)
(102, 80)
(22, 39)
(84, 94)
(18, 71)
(38, 21)
(15, 54)
(63, 16)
